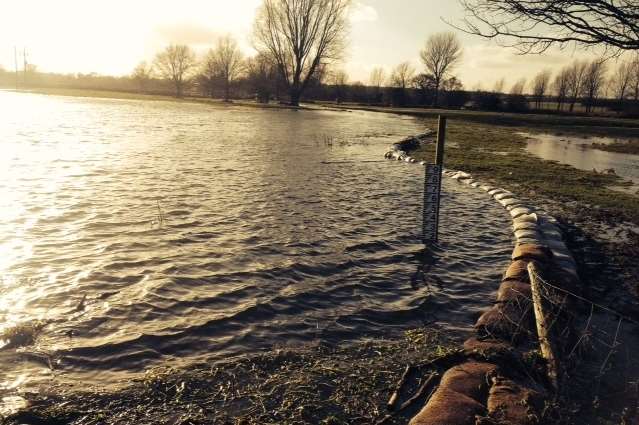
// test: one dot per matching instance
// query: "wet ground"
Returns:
(579, 152)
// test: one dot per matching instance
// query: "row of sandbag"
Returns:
(529, 225)
(493, 384)
(399, 150)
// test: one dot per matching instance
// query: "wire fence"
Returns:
(591, 337)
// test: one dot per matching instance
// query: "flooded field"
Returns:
(136, 234)
(578, 152)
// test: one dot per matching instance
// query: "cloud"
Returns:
(191, 34)
(485, 63)
(363, 13)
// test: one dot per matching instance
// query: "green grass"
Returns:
(630, 147)
(497, 154)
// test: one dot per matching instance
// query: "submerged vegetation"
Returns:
(21, 335)
(318, 384)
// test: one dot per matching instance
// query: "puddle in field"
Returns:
(577, 151)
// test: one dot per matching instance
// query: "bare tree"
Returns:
(593, 82)
(576, 73)
(141, 75)
(402, 75)
(262, 76)
(300, 35)
(499, 86)
(401, 78)
(442, 52)
(532, 26)
(540, 85)
(227, 61)
(208, 76)
(516, 100)
(560, 85)
(634, 84)
(175, 63)
(621, 80)
(376, 81)
(518, 88)
(339, 80)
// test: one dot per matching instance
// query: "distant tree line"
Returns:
(588, 84)
(300, 44)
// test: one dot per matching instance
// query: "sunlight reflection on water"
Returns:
(576, 151)
(147, 232)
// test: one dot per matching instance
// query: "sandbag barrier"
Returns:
(399, 151)
(496, 384)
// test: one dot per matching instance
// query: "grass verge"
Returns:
(497, 154)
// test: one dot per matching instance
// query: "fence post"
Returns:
(544, 332)
(441, 139)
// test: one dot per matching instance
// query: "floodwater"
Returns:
(577, 151)
(148, 234)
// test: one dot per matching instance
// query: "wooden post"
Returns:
(441, 139)
(15, 60)
(544, 333)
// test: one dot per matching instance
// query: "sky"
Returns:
(111, 37)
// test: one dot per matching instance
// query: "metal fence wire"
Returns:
(595, 342)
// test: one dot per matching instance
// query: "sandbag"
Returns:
(447, 407)
(506, 321)
(486, 346)
(512, 404)
(518, 270)
(469, 378)
(531, 252)
(513, 291)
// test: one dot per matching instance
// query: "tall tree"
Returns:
(621, 80)
(208, 76)
(262, 76)
(339, 80)
(376, 81)
(518, 88)
(560, 86)
(540, 86)
(401, 78)
(175, 63)
(300, 35)
(516, 100)
(442, 52)
(228, 61)
(576, 73)
(402, 75)
(634, 84)
(593, 82)
(532, 26)
(141, 75)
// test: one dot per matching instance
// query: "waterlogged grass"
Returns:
(630, 147)
(21, 335)
(312, 385)
(497, 154)
(561, 124)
